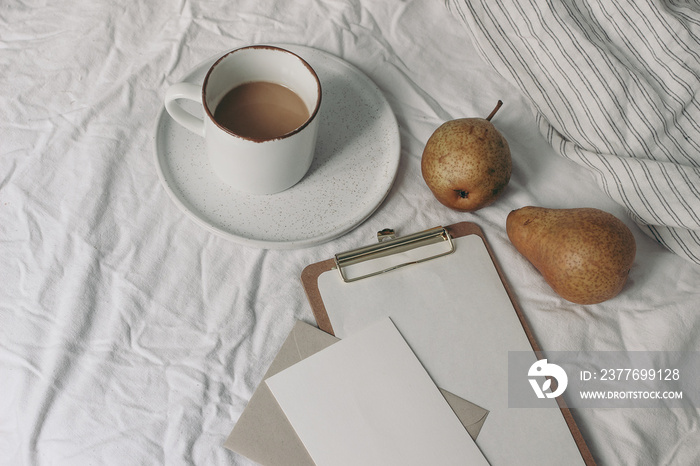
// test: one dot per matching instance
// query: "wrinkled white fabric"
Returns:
(130, 335)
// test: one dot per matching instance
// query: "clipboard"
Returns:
(442, 239)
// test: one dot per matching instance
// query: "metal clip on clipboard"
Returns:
(389, 245)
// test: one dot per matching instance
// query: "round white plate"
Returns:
(356, 160)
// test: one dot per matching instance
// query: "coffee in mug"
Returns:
(261, 105)
(261, 110)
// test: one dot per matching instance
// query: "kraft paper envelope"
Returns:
(263, 432)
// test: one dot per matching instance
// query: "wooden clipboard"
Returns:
(310, 281)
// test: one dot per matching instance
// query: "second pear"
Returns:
(584, 254)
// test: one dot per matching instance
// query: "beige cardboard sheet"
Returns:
(263, 434)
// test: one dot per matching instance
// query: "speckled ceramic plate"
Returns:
(355, 163)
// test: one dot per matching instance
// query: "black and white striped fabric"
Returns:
(616, 87)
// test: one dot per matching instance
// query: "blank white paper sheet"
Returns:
(368, 400)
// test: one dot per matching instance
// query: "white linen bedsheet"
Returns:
(130, 335)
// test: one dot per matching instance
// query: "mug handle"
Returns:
(187, 91)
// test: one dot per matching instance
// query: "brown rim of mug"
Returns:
(269, 47)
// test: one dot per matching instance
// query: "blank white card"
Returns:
(368, 400)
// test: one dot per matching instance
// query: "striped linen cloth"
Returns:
(615, 85)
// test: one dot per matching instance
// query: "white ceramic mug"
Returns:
(256, 166)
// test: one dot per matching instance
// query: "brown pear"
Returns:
(466, 163)
(584, 254)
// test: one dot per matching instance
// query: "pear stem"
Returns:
(493, 112)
